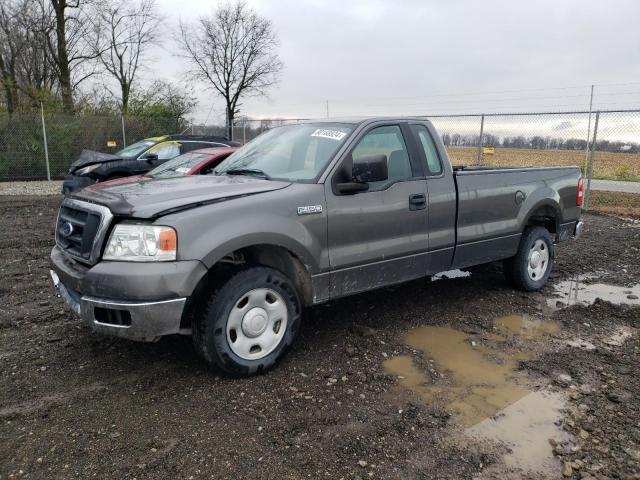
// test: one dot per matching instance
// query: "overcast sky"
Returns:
(434, 56)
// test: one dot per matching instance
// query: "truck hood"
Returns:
(154, 198)
(89, 157)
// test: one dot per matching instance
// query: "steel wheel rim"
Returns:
(538, 260)
(257, 323)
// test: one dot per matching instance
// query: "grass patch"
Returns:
(615, 203)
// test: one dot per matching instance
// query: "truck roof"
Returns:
(203, 138)
(361, 120)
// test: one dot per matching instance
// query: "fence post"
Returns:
(124, 137)
(589, 172)
(46, 148)
(480, 139)
(586, 153)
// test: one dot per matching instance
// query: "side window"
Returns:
(166, 150)
(387, 141)
(189, 146)
(433, 165)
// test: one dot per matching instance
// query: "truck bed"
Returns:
(493, 202)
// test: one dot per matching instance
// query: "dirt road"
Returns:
(365, 393)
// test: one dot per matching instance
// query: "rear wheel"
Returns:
(529, 269)
(249, 322)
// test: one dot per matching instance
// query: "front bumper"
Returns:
(125, 299)
(142, 321)
(75, 182)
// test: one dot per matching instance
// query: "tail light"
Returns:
(580, 193)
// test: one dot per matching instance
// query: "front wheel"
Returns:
(529, 269)
(249, 322)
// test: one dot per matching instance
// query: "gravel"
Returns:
(53, 187)
(77, 405)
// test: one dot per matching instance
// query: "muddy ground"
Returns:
(76, 405)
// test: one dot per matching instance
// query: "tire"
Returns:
(520, 270)
(227, 331)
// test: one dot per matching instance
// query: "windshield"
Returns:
(293, 152)
(178, 166)
(135, 149)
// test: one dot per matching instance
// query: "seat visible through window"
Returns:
(387, 141)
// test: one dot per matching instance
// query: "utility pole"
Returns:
(327, 108)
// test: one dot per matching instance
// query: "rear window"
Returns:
(433, 165)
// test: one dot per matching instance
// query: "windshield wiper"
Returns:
(246, 171)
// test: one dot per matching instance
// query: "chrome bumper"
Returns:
(142, 321)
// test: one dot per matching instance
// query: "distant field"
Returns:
(606, 165)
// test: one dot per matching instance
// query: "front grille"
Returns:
(80, 229)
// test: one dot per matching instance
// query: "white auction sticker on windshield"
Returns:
(327, 133)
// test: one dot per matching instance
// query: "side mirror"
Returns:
(372, 168)
(149, 157)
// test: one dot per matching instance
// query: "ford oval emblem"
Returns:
(66, 229)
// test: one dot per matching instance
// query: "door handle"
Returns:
(417, 201)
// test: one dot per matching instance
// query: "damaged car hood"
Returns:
(154, 198)
(89, 157)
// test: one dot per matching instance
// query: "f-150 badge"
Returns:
(309, 209)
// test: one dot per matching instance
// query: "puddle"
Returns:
(526, 325)
(525, 427)
(483, 388)
(483, 379)
(450, 274)
(576, 292)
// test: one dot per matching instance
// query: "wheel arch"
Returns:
(274, 256)
(545, 213)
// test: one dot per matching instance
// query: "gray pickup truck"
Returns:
(301, 215)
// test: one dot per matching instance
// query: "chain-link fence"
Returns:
(24, 153)
(605, 144)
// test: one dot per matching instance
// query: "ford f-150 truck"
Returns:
(303, 214)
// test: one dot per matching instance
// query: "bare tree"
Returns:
(12, 45)
(124, 32)
(234, 51)
(37, 76)
(69, 45)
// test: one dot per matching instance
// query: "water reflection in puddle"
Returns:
(525, 325)
(525, 427)
(483, 387)
(577, 292)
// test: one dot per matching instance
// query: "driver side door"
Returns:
(379, 237)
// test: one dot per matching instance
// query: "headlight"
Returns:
(87, 170)
(141, 243)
